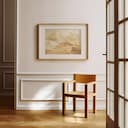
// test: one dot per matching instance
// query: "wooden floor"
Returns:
(50, 119)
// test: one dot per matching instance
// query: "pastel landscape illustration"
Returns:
(62, 41)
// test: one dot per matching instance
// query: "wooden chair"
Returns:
(87, 80)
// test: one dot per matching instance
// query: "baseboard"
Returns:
(100, 105)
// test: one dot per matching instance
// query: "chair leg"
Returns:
(74, 99)
(63, 105)
(94, 104)
(74, 104)
(63, 99)
(94, 98)
(86, 102)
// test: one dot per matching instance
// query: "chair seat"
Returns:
(78, 93)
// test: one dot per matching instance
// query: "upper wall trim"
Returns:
(55, 73)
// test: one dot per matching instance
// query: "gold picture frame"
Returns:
(62, 41)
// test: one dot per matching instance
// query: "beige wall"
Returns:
(36, 75)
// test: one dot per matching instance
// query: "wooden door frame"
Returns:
(109, 122)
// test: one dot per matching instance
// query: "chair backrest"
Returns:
(84, 78)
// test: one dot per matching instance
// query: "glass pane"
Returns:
(111, 105)
(126, 39)
(111, 14)
(111, 76)
(121, 41)
(108, 45)
(121, 9)
(108, 103)
(121, 78)
(121, 113)
(126, 8)
(126, 114)
(108, 18)
(126, 81)
(111, 47)
(108, 84)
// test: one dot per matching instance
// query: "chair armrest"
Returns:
(66, 84)
(94, 82)
(69, 82)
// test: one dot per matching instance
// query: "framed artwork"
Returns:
(62, 41)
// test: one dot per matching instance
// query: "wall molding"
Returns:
(43, 74)
(100, 77)
(7, 67)
(26, 103)
(4, 60)
(23, 99)
(56, 73)
(4, 81)
(7, 94)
